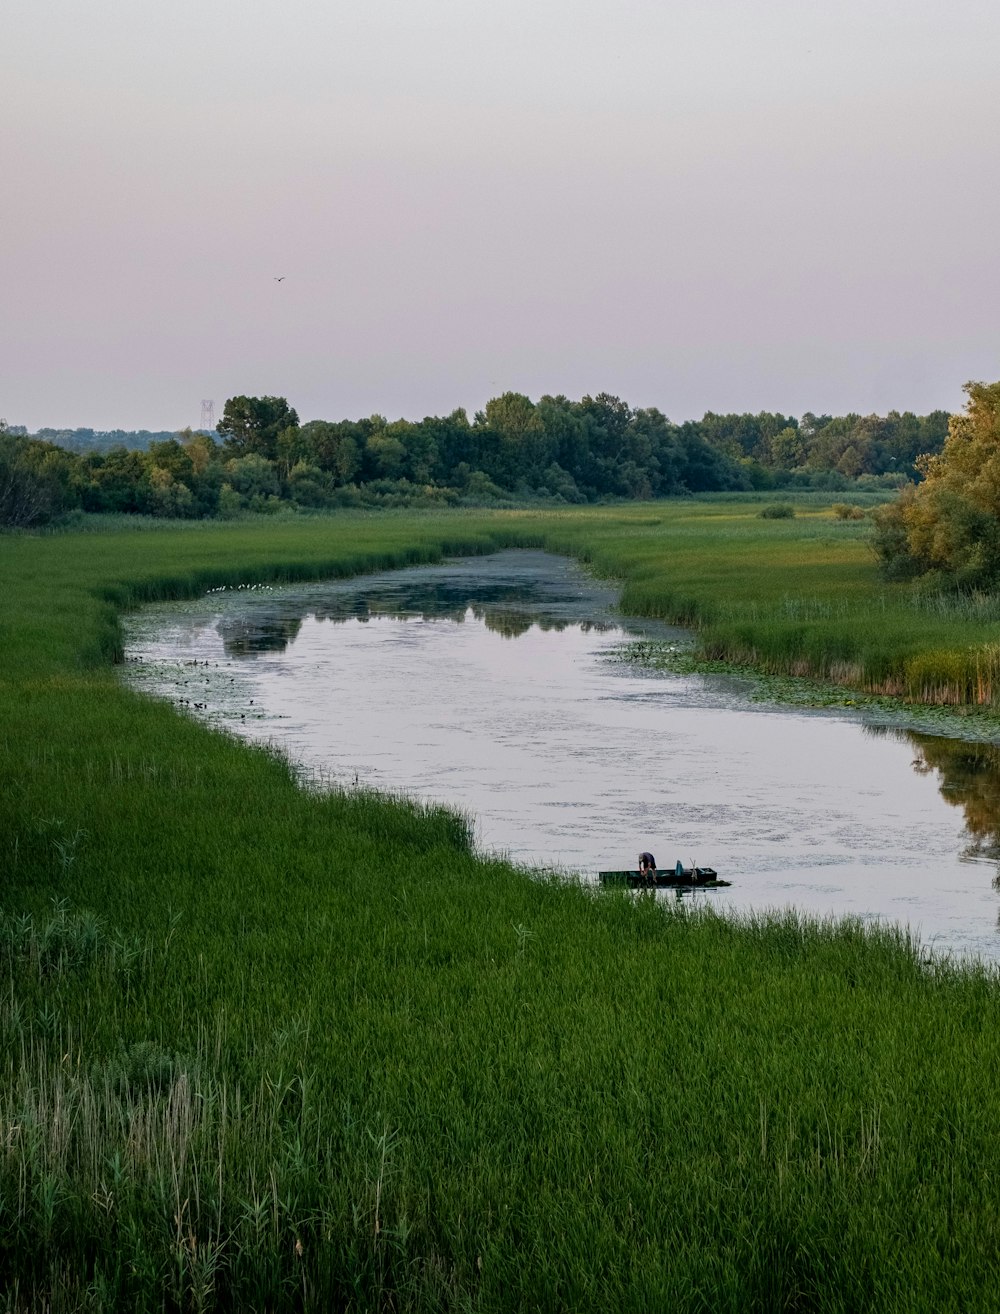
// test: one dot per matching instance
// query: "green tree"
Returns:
(36, 480)
(745, 435)
(560, 483)
(515, 447)
(334, 448)
(421, 450)
(949, 525)
(851, 462)
(385, 453)
(454, 443)
(567, 433)
(117, 480)
(173, 457)
(253, 477)
(308, 485)
(169, 496)
(785, 449)
(202, 448)
(251, 425)
(513, 416)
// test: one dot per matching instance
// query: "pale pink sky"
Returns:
(695, 204)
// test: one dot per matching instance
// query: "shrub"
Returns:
(230, 502)
(777, 511)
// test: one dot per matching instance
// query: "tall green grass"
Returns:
(263, 1048)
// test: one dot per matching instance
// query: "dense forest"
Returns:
(516, 450)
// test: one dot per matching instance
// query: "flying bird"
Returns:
(281, 279)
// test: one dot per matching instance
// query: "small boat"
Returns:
(677, 878)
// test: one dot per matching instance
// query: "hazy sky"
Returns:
(695, 204)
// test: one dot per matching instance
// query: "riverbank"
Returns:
(263, 1048)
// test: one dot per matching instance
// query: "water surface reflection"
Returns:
(490, 684)
(506, 607)
(968, 776)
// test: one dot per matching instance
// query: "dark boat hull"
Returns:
(689, 878)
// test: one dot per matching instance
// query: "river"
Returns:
(493, 685)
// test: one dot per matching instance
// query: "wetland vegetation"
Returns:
(271, 1049)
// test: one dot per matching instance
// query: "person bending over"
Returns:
(647, 868)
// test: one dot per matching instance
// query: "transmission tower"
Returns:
(208, 414)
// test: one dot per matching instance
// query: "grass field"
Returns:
(268, 1050)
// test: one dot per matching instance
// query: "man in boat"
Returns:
(647, 868)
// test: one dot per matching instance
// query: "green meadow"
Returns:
(270, 1049)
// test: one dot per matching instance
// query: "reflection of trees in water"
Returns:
(969, 778)
(512, 624)
(258, 633)
(504, 610)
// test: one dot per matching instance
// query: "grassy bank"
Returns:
(267, 1050)
(796, 597)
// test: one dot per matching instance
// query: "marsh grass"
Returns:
(266, 1047)
(676, 1108)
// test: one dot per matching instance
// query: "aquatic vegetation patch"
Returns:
(841, 692)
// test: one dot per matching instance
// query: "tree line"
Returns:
(554, 450)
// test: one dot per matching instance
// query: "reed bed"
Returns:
(274, 1048)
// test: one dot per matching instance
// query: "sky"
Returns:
(728, 205)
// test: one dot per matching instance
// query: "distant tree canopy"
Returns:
(99, 440)
(552, 450)
(947, 528)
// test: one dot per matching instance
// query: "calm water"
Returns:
(490, 684)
